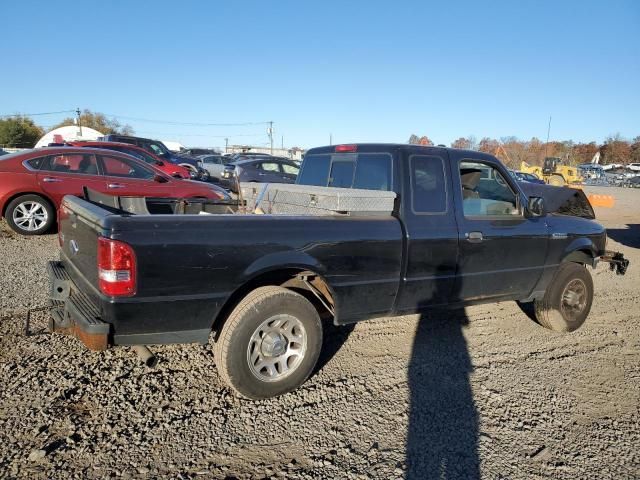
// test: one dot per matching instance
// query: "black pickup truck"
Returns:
(461, 231)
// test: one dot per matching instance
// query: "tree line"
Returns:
(22, 132)
(512, 151)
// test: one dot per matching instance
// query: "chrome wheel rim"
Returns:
(277, 348)
(30, 216)
(574, 299)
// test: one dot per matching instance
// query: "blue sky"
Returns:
(362, 71)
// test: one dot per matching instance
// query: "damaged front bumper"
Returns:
(616, 261)
(73, 313)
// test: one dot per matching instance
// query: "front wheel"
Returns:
(270, 343)
(567, 301)
(30, 215)
(556, 180)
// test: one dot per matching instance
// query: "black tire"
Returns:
(555, 311)
(557, 181)
(13, 213)
(233, 348)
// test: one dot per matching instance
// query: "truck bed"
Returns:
(190, 264)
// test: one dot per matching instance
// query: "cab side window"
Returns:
(428, 187)
(485, 192)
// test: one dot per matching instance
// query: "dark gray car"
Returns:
(261, 170)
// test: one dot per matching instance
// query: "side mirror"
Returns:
(536, 206)
(160, 179)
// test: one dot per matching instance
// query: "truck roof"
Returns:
(377, 147)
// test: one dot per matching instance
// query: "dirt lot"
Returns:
(484, 392)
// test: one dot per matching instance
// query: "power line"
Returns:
(146, 120)
(188, 124)
(34, 114)
(149, 132)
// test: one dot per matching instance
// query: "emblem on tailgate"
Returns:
(73, 245)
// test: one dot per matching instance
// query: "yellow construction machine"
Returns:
(553, 172)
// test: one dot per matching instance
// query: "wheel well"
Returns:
(310, 285)
(12, 198)
(580, 256)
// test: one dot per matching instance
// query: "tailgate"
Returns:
(80, 225)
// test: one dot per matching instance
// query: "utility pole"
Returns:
(282, 144)
(546, 147)
(226, 145)
(270, 132)
(331, 139)
(79, 123)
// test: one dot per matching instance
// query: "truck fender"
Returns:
(279, 267)
(282, 261)
(580, 250)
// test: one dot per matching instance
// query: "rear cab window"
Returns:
(371, 171)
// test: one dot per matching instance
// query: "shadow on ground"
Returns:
(629, 236)
(442, 439)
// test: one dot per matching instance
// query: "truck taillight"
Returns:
(116, 268)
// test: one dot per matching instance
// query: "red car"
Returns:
(33, 182)
(169, 168)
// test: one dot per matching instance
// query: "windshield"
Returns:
(158, 149)
(141, 154)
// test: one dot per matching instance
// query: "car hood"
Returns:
(562, 200)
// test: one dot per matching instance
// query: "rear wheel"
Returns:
(556, 180)
(567, 301)
(270, 343)
(30, 215)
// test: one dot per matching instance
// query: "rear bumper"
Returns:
(99, 322)
(73, 312)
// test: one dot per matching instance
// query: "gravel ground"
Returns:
(484, 392)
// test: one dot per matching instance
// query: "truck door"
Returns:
(502, 252)
(432, 233)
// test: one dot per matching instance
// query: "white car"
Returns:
(634, 166)
(214, 164)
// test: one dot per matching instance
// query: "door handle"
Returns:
(473, 237)
(115, 185)
(51, 179)
(261, 174)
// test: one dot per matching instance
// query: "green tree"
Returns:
(19, 132)
(97, 121)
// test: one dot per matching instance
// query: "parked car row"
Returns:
(159, 149)
(261, 169)
(33, 182)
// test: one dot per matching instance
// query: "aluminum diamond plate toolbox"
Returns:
(289, 199)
